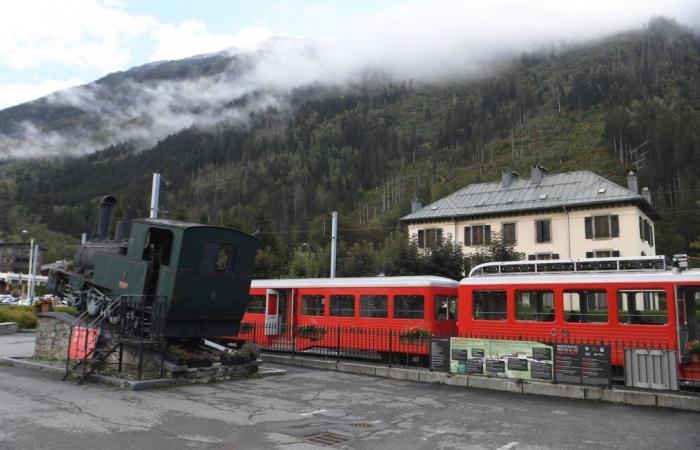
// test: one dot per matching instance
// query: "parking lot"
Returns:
(39, 411)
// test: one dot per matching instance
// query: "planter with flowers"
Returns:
(693, 348)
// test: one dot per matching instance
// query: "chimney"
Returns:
(632, 181)
(646, 193)
(415, 205)
(537, 173)
(104, 216)
(508, 177)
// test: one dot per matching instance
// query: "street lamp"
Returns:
(31, 268)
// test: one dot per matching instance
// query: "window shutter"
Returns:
(467, 236)
(641, 229)
(547, 230)
(487, 234)
(438, 236)
(538, 231)
(616, 253)
(531, 257)
(615, 226)
(589, 254)
(589, 227)
(421, 238)
(651, 235)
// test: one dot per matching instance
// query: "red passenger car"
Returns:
(623, 302)
(372, 313)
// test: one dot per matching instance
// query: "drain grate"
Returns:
(360, 425)
(326, 438)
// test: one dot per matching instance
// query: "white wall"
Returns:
(568, 232)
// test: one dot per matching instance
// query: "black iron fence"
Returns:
(597, 361)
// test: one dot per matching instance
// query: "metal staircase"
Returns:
(134, 320)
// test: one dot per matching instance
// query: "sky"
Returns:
(48, 45)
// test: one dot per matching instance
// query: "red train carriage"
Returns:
(623, 302)
(378, 314)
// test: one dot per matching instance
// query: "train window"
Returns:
(256, 304)
(643, 307)
(445, 307)
(374, 306)
(586, 306)
(409, 307)
(537, 306)
(343, 305)
(489, 305)
(218, 257)
(313, 305)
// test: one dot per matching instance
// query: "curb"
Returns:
(131, 385)
(624, 396)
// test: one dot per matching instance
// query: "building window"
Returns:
(312, 305)
(445, 307)
(646, 231)
(586, 306)
(374, 306)
(543, 256)
(429, 238)
(603, 254)
(256, 304)
(537, 306)
(543, 231)
(342, 305)
(408, 307)
(643, 307)
(602, 227)
(489, 305)
(477, 235)
(508, 233)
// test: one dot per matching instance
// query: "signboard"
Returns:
(439, 354)
(524, 360)
(582, 364)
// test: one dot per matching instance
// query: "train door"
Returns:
(688, 312)
(272, 316)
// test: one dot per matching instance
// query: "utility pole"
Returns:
(30, 277)
(32, 280)
(334, 242)
(155, 195)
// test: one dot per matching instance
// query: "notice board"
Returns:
(582, 364)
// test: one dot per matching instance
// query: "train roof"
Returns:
(661, 276)
(356, 282)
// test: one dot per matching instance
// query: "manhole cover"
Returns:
(360, 425)
(327, 438)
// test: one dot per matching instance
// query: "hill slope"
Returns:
(632, 100)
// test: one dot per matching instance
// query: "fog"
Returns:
(425, 41)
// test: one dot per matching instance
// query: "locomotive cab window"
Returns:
(536, 306)
(586, 306)
(376, 306)
(489, 305)
(445, 307)
(157, 246)
(408, 307)
(342, 305)
(256, 304)
(218, 257)
(313, 305)
(642, 307)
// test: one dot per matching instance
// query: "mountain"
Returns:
(367, 148)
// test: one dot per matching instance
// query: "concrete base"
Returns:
(9, 327)
(613, 395)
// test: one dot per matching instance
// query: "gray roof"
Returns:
(569, 189)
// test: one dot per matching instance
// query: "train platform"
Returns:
(310, 408)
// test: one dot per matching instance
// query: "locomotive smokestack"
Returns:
(104, 216)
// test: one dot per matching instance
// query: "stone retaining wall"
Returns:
(53, 330)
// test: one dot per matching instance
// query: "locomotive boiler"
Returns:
(201, 273)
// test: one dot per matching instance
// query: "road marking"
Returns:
(313, 412)
(508, 446)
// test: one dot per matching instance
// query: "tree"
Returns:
(446, 260)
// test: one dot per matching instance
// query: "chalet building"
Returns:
(14, 256)
(547, 216)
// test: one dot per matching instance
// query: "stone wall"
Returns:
(53, 330)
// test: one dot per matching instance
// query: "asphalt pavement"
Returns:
(38, 411)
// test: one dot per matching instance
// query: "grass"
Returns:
(24, 316)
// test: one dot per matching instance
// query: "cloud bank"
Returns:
(426, 41)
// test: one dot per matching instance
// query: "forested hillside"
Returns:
(632, 100)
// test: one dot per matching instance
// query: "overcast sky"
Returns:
(47, 45)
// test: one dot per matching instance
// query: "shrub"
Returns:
(23, 315)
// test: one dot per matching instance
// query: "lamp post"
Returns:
(31, 275)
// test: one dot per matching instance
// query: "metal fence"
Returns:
(640, 363)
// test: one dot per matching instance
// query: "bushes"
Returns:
(23, 315)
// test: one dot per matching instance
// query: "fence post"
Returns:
(337, 346)
(294, 341)
(391, 344)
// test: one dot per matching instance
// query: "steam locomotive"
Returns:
(202, 273)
